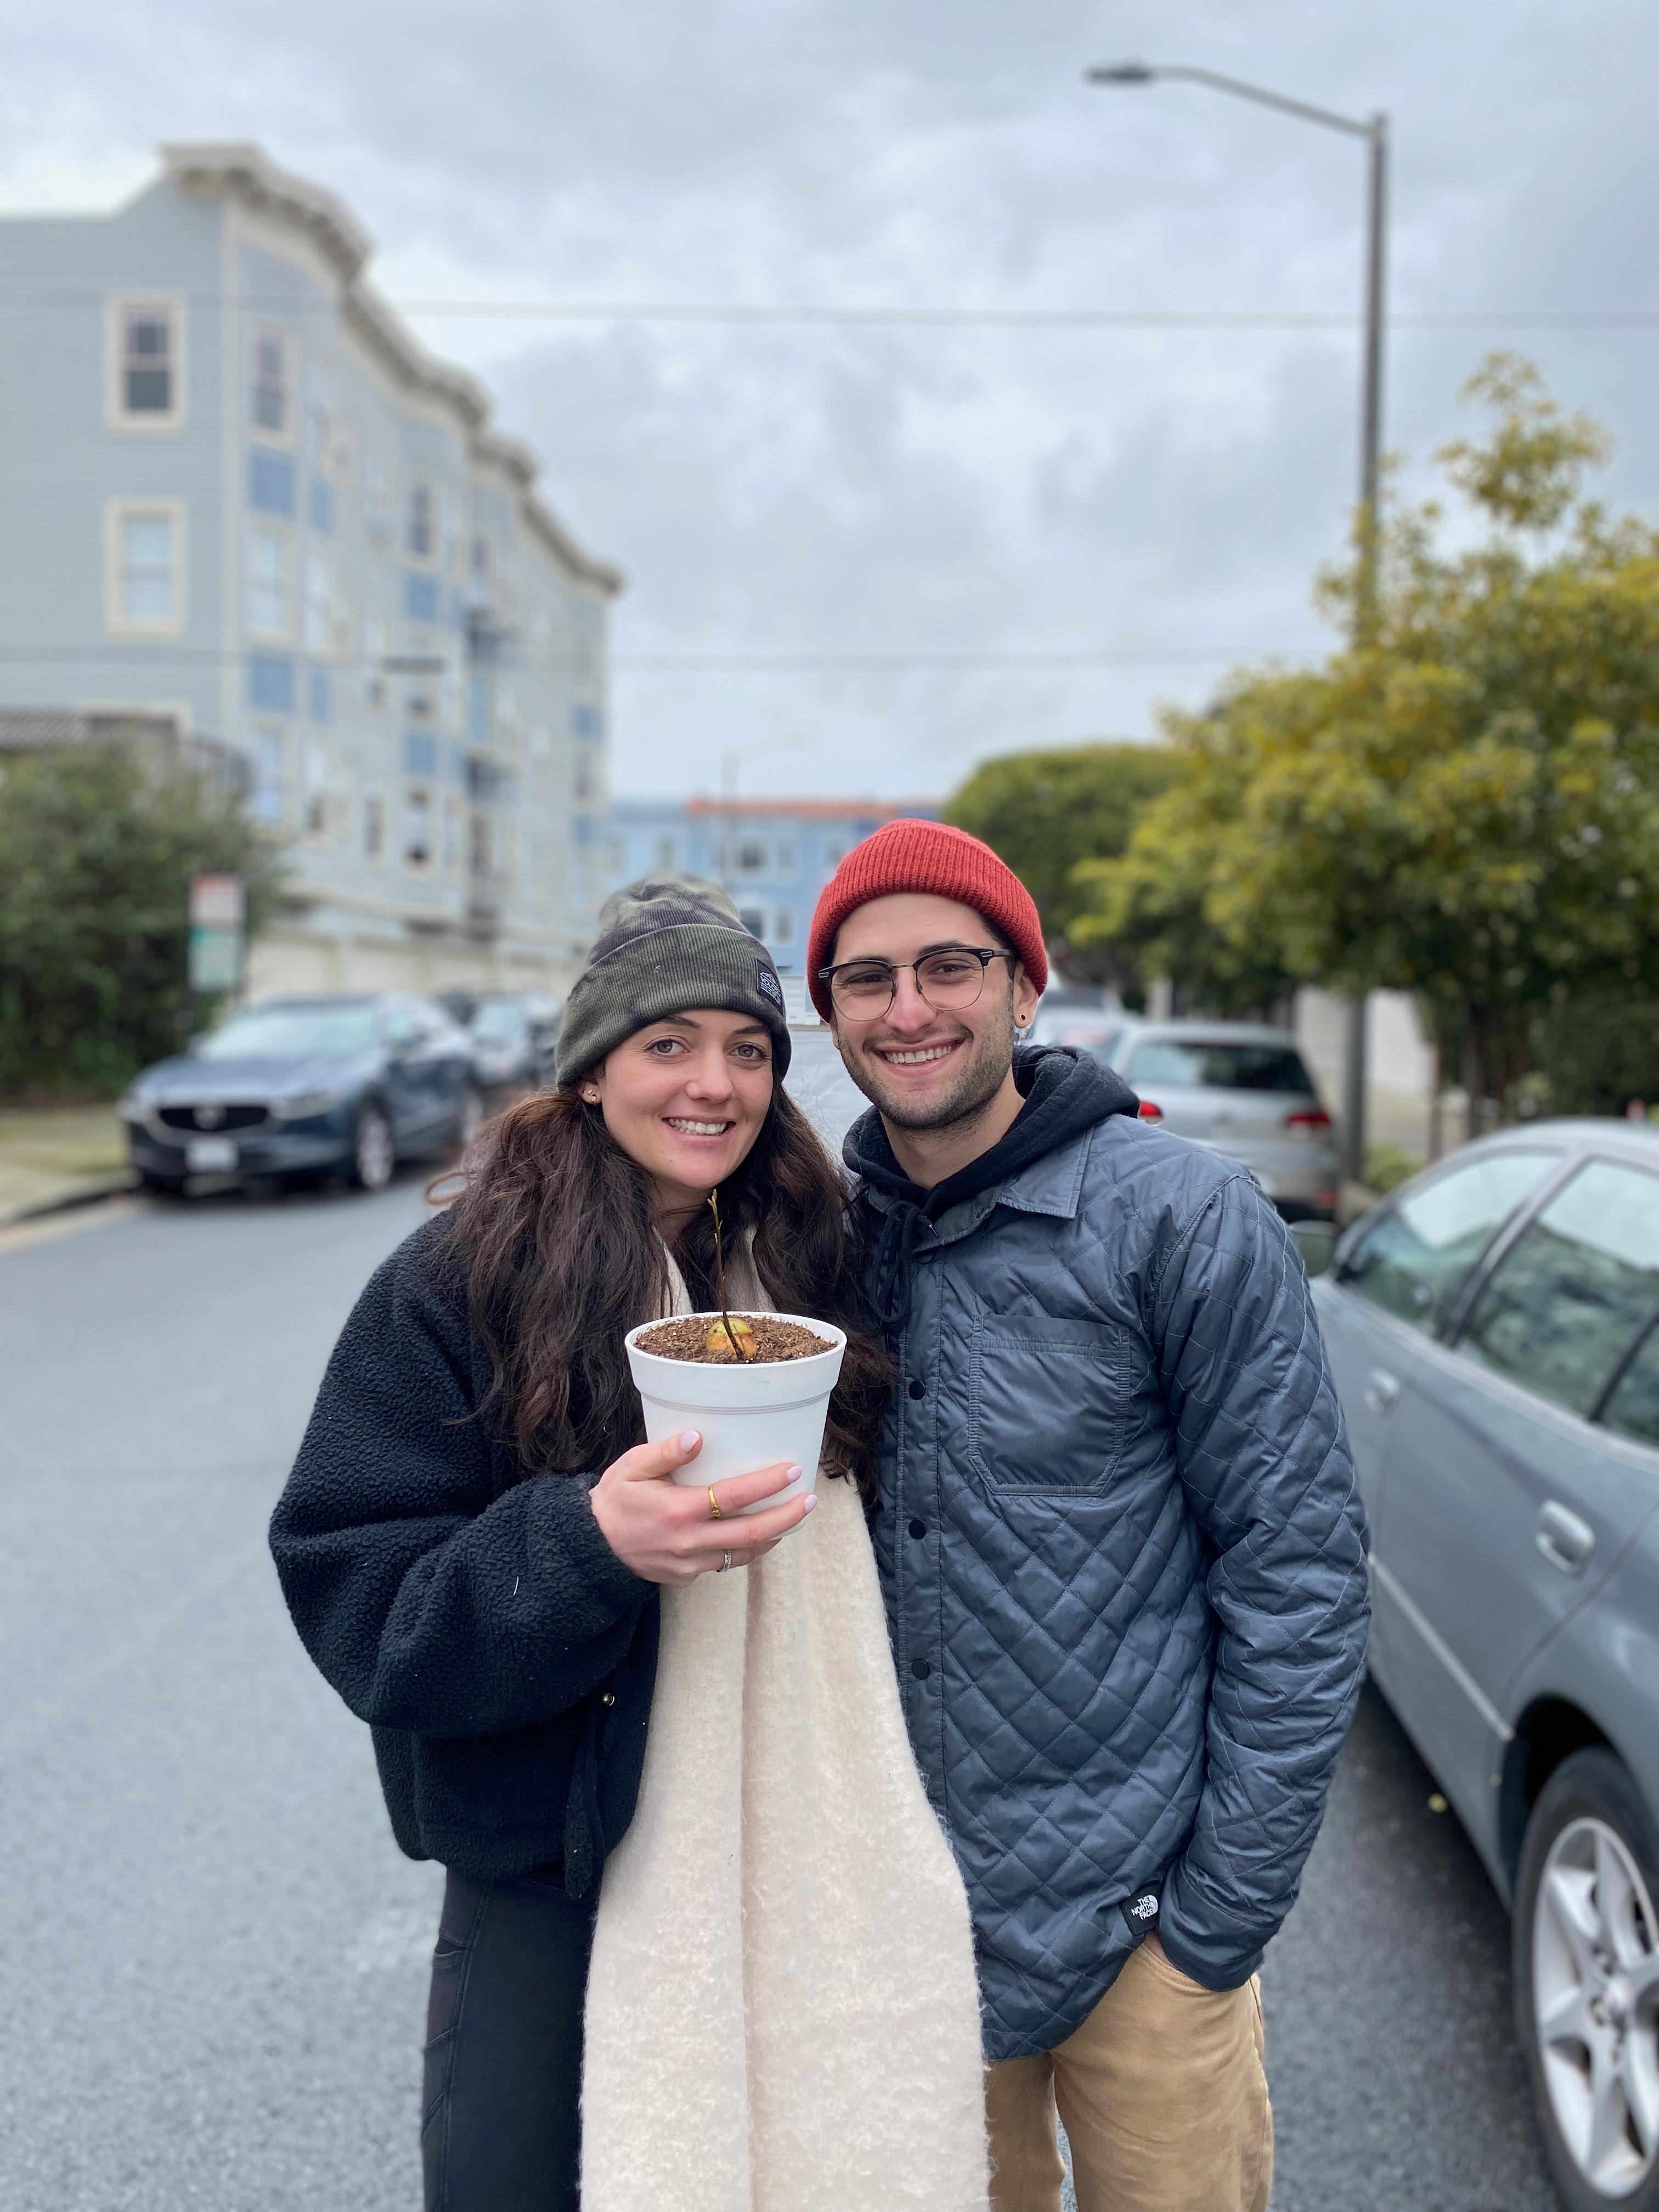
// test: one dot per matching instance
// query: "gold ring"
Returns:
(714, 1513)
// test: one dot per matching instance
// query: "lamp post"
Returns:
(1374, 130)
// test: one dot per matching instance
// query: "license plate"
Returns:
(211, 1155)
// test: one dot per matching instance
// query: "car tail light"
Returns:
(1308, 1121)
(1149, 1112)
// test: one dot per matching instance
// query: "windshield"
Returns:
(499, 1021)
(1200, 1065)
(293, 1032)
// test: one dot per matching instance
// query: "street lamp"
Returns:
(1375, 130)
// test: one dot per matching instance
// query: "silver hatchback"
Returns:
(1493, 1330)
(1240, 1088)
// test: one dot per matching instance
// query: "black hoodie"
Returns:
(1064, 1092)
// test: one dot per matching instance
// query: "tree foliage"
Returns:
(96, 857)
(1044, 813)
(1466, 806)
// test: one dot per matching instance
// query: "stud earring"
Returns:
(590, 1098)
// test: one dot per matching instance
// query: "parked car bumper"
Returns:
(315, 1147)
(1303, 1185)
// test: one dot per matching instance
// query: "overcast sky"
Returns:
(1158, 496)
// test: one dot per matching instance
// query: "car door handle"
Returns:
(1565, 1540)
(1382, 1389)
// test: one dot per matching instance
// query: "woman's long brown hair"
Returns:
(555, 1232)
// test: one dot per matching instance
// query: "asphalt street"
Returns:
(215, 1960)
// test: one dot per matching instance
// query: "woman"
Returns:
(782, 2008)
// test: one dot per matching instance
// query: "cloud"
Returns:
(798, 490)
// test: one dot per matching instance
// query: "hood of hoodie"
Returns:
(1065, 1092)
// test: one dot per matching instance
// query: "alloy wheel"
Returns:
(1595, 1994)
(373, 1156)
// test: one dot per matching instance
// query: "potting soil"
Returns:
(702, 1338)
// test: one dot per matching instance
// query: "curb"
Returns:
(93, 1191)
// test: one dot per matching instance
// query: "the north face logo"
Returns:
(1144, 1908)
(767, 984)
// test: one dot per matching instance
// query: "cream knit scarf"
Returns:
(783, 2012)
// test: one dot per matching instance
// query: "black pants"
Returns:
(500, 2129)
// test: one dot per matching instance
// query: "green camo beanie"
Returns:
(666, 944)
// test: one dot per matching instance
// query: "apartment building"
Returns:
(773, 855)
(239, 497)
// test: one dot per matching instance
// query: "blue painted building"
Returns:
(774, 855)
(242, 500)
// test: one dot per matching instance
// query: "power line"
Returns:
(740, 314)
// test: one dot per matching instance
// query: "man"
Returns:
(1119, 1539)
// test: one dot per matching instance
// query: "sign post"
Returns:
(218, 935)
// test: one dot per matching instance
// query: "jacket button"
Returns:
(608, 1698)
(918, 1528)
(918, 1389)
(921, 1669)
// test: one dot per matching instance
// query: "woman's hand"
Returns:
(663, 1530)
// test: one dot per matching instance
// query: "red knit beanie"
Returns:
(925, 856)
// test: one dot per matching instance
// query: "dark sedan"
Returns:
(299, 1088)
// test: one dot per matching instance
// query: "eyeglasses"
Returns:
(862, 990)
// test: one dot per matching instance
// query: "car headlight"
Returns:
(302, 1109)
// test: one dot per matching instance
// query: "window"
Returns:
(750, 859)
(783, 860)
(319, 604)
(319, 695)
(783, 927)
(145, 554)
(316, 802)
(477, 709)
(667, 854)
(319, 502)
(420, 599)
(271, 484)
(1567, 1300)
(421, 530)
(270, 683)
(146, 391)
(269, 611)
(269, 398)
(417, 829)
(1193, 1064)
(420, 753)
(753, 918)
(1414, 1261)
(374, 825)
(266, 802)
(1632, 1410)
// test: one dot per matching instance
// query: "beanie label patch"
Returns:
(768, 985)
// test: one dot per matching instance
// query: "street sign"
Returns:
(218, 902)
(216, 959)
(218, 919)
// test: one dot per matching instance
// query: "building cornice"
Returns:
(239, 170)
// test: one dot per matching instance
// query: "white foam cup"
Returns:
(750, 1414)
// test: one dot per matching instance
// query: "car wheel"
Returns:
(372, 1154)
(470, 1118)
(1587, 1983)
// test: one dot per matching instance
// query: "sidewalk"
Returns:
(59, 1158)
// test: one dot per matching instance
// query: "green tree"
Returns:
(1466, 806)
(1043, 812)
(95, 855)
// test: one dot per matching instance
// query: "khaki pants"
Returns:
(1164, 2098)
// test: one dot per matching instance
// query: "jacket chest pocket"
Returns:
(1050, 1405)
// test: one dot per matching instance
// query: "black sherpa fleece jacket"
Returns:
(465, 1607)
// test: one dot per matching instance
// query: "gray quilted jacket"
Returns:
(1123, 1558)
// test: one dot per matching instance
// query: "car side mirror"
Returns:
(1316, 1242)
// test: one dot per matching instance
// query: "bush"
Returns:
(95, 858)
(1595, 1053)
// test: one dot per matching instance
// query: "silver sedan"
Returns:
(1493, 1330)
